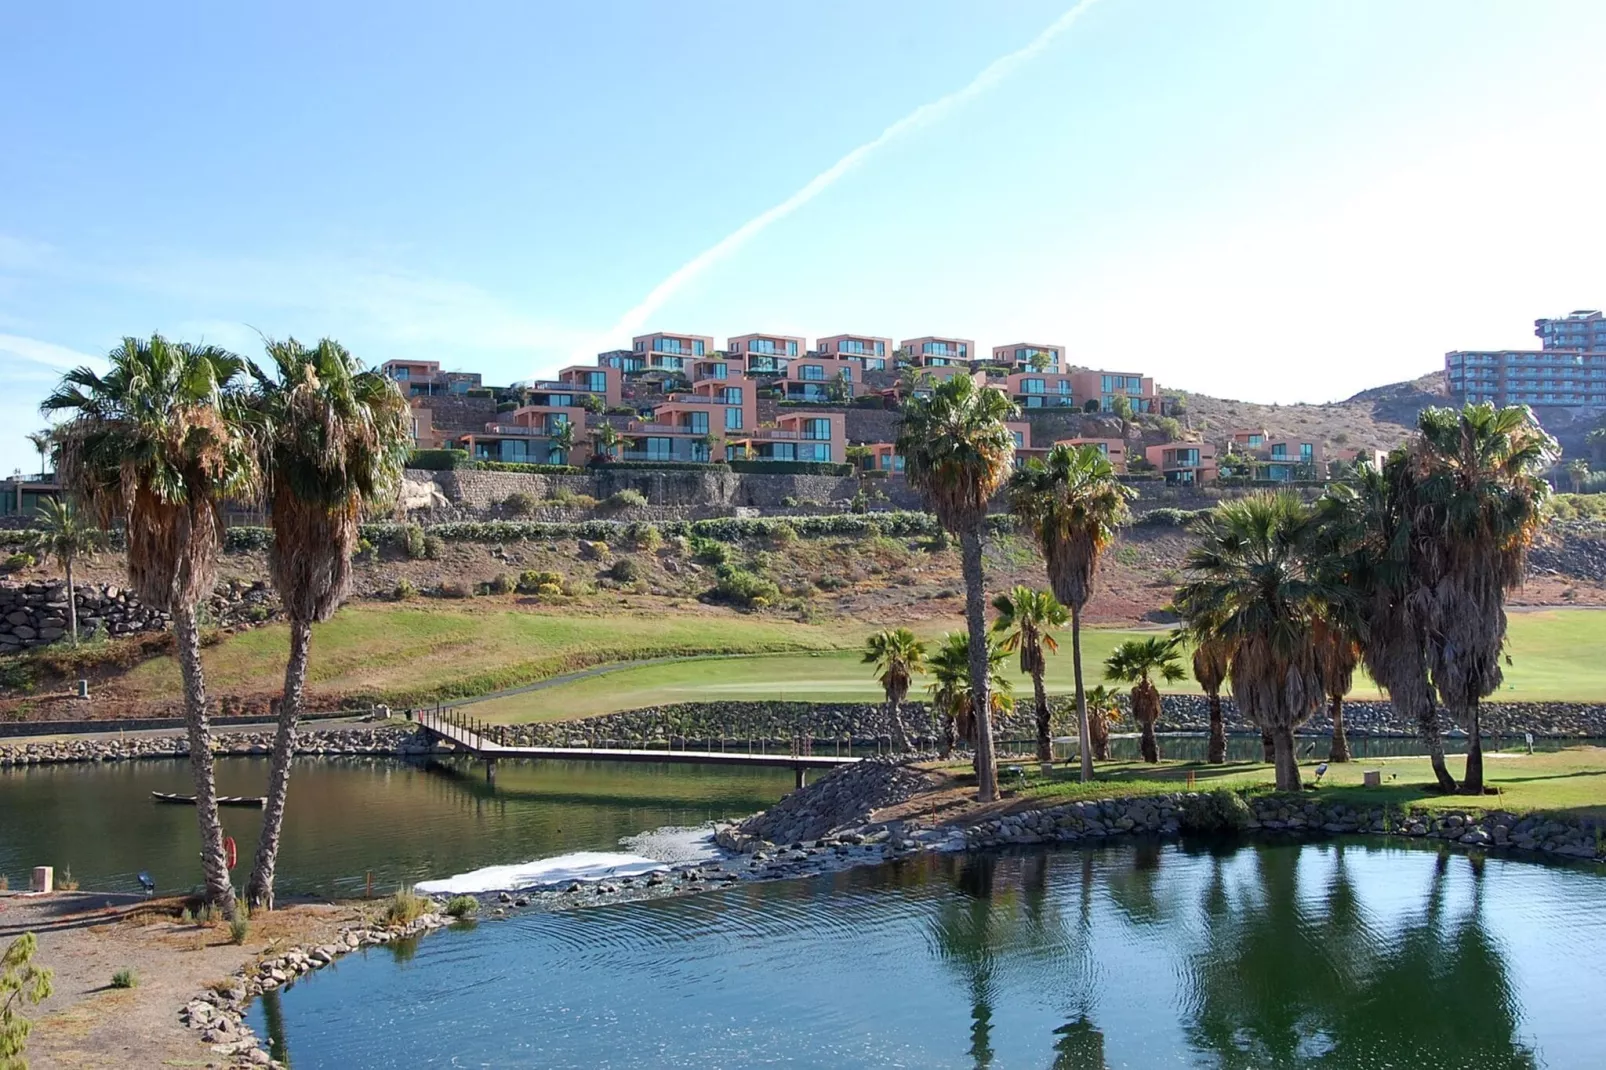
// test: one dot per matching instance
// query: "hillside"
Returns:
(1378, 418)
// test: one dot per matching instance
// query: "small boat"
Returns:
(256, 801)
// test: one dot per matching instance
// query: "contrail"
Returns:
(633, 321)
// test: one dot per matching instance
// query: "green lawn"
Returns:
(1556, 655)
(1572, 780)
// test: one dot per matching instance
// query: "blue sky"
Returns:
(1260, 199)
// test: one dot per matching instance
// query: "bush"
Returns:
(530, 580)
(13, 562)
(519, 503)
(453, 589)
(239, 926)
(405, 591)
(783, 535)
(656, 466)
(789, 502)
(242, 538)
(502, 584)
(438, 460)
(792, 468)
(709, 551)
(569, 499)
(743, 588)
(549, 590)
(434, 547)
(525, 467)
(125, 978)
(644, 536)
(405, 907)
(461, 906)
(506, 406)
(625, 499)
(625, 570)
(1167, 517)
(413, 542)
(1215, 813)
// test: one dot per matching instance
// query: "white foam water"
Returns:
(675, 844)
(560, 869)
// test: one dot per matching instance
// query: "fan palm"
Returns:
(1073, 505)
(958, 453)
(44, 441)
(952, 695)
(1102, 711)
(897, 656)
(64, 534)
(158, 444)
(1136, 662)
(334, 441)
(1210, 662)
(605, 439)
(1253, 588)
(561, 442)
(1479, 502)
(1025, 625)
(1338, 653)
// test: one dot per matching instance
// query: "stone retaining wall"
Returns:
(35, 614)
(386, 741)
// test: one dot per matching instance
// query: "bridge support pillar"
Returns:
(802, 776)
(490, 771)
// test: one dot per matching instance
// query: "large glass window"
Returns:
(697, 347)
(401, 375)
(731, 395)
(1307, 451)
(818, 428)
(813, 373)
(1279, 451)
(881, 349)
(1031, 386)
(1134, 385)
(697, 423)
(659, 449)
(733, 419)
(813, 452)
(791, 349)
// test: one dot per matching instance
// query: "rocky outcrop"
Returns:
(847, 795)
(35, 614)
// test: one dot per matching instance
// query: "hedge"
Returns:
(526, 467)
(659, 466)
(792, 468)
(1168, 518)
(438, 460)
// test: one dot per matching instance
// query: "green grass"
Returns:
(1571, 781)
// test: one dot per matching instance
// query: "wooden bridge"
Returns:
(486, 743)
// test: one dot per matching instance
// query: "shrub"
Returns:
(1215, 813)
(789, 502)
(525, 467)
(745, 588)
(657, 466)
(1167, 517)
(709, 551)
(792, 468)
(438, 460)
(461, 906)
(625, 499)
(783, 535)
(66, 882)
(549, 590)
(530, 580)
(434, 547)
(405, 591)
(125, 978)
(625, 570)
(239, 926)
(569, 499)
(453, 589)
(502, 584)
(860, 502)
(506, 406)
(519, 503)
(405, 907)
(413, 541)
(644, 536)
(13, 562)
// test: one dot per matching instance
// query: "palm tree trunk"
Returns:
(1340, 748)
(1045, 744)
(1083, 731)
(950, 735)
(1472, 783)
(1268, 748)
(1282, 738)
(900, 738)
(1428, 727)
(981, 705)
(72, 606)
(214, 863)
(1142, 700)
(1217, 753)
(259, 890)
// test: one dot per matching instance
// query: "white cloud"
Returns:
(46, 353)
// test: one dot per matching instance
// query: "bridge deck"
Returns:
(453, 731)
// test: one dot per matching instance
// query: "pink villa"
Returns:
(929, 351)
(1040, 390)
(527, 436)
(667, 352)
(884, 458)
(765, 354)
(866, 348)
(1248, 438)
(1355, 456)
(717, 367)
(797, 436)
(1183, 462)
(424, 378)
(812, 378)
(1105, 386)
(1026, 356)
(1114, 449)
(1024, 450)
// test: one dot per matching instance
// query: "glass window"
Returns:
(697, 423)
(817, 428)
(733, 419)
(881, 349)
(659, 449)
(1107, 383)
(732, 395)
(1307, 451)
(697, 347)
(817, 451)
(1134, 385)
(1279, 450)
(400, 374)
(1020, 440)
(791, 349)
(1031, 386)
(813, 372)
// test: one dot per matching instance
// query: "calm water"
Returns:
(349, 817)
(1330, 955)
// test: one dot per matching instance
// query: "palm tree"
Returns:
(1073, 505)
(952, 694)
(1338, 653)
(65, 535)
(334, 443)
(1479, 503)
(957, 453)
(560, 443)
(1210, 662)
(1025, 623)
(158, 444)
(44, 441)
(1102, 711)
(1135, 662)
(1577, 472)
(897, 656)
(605, 439)
(1253, 588)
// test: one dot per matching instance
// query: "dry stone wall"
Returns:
(35, 614)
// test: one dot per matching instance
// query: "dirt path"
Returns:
(86, 937)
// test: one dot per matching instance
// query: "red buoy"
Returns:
(230, 850)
